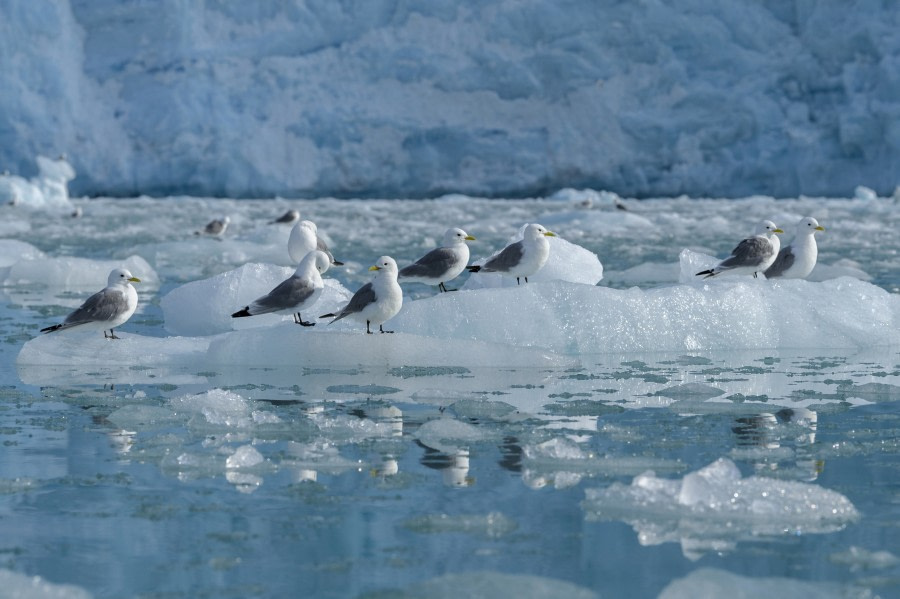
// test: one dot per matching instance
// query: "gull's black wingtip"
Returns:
(242, 313)
(55, 327)
(474, 268)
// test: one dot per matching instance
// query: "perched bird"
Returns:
(752, 255)
(304, 239)
(441, 264)
(106, 309)
(78, 212)
(215, 227)
(288, 218)
(797, 260)
(294, 294)
(375, 302)
(520, 259)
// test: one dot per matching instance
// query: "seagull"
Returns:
(78, 212)
(441, 264)
(797, 260)
(106, 309)
(288, 218)
(215, 227)
(375, 302)
(520, 259)
(752, 255)
(304, 239)
(294, 294)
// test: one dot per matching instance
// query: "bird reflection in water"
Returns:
(785, 436)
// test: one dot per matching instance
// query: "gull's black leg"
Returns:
(112, 334)
(368, 332)
(382, 330)
(441, 287)
(299, 320)
(517, 280)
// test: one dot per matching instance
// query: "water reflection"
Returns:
(779, 443)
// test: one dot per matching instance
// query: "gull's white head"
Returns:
(535, 231)
(767, 228)
(226, 219)
(308, 224)
(456, 236)
(323, 263)
(121, 276)
(809, 226)
(385, 265)
(293, 215)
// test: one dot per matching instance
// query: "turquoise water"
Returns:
(186, 481)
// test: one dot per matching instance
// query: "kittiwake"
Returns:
(288, 218)
(304, 239)
(523, 258)
(294, 294)
(797, 260)
(752, 255)
(106, 309)
(215, 227)
(375, 302)
(441, 264)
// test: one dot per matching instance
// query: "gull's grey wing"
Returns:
(287, 217)
(507, 259)
(749, 252)
(783, 261)
(433, 264)
(286, 295)
(102, 306)
(214, 228)
(323, 247)
(362, 298)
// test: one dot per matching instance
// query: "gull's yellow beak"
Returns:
(549, 234)
(820, 228)
(778, 231)
(374, 268)
(134, 280)
(469, 238)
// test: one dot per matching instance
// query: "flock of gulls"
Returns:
(379, 300)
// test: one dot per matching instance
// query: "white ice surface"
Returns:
(69, 272)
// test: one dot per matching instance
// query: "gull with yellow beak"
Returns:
(523, 258)
(441, 264)
(377, 301)
(752, 255)
(797, 260)
(106, 309)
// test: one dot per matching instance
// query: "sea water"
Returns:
(643, 436)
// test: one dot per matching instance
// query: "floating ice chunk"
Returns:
(143, 417)
(16, 585)
(567, 262)
(496, 584)
(449, 435)
(691, 391)
(741, 313)
(216, 407)
(205, 307)
(859, 559)
(864, 193)
(289, 345)
(492, 525)
(714, 507)
(74, 273)
(245, 456)
(711, 583)
(13, 250)
(73, 348)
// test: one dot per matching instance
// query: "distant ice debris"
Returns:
(860, 559)
(17, 585)
(478, 584)
(713, 508)
(864, 193)
(587, 199)
(712, 583)
(492, 525)
(48, 191)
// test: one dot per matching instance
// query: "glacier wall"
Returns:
(402, 98)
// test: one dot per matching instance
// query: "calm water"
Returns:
(447, 481)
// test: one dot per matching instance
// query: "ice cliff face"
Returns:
(390, 98)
